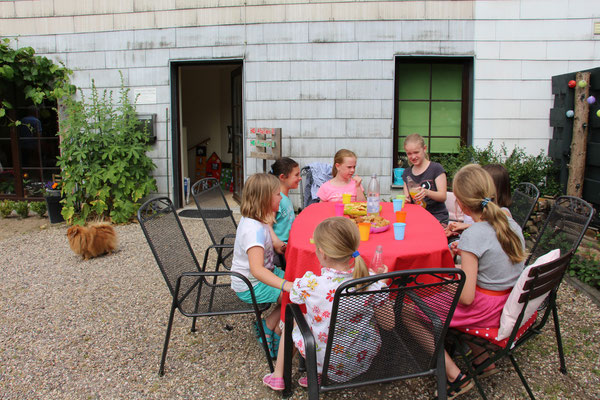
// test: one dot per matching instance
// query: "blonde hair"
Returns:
(256, 197)
(472, 185)
(339, 159)
(415, 138)
(338, 238)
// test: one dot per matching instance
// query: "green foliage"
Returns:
(22, 209)
(36, 77)
(6, 208)
(522, 167)
(586, 267)
(38, 207)
(105, 169)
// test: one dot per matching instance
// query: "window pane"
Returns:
(445, 118)
(444, 145)
(413, 117)
(413, 81)
(446, 82)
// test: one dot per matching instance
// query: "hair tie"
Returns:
(485, 202)
(355, 254)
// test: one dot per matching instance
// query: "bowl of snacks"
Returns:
(378, 223)
(356, 208)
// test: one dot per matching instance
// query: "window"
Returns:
(433, 99)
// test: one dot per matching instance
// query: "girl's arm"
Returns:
(256, 257)
(360, 194)
(278, 244)
(470, 266)
(438, 195)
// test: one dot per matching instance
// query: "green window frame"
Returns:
(432, 98)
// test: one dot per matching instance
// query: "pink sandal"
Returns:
(274, 383)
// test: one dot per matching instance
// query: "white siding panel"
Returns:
(134, 21)
(492, 69)
(543, 69)
(201, 36)
(126, 59)
(114, 40)
(335, 51)
(154, 38)
(401, 10)
(583, 9)
(322, 128)
(513, 89)
(154, 76)
(75, 42)
(377, 31)
(535, 109)
(417, 48)
(425, 30)
(484, 30)
(457, 48)
(322, 90)
(370, 89)
(284, 33)
(572, 50)
(231, 35)
(250, 91)
(358, 109)
(198, 53)
(359, 70)
(353, 11)
(313, 109)
(461, 30)
(494, 9)
(277, 90)
(328, 32)
(375, 50)
(523, 50)
(322, 148)
(34, 8)
(497, 109)
(267, 71)
(449, 9)
(41, 44)
(229, 52)
(268, 110)
(370, 147)
(543, 30)
(543, 9)
(157, 58)
(93, 23)
(255, 34)
(7, 9)
(289, 52)
(150, 5)
(380, 128)
(487, 50)
(175, 18)
(308, 12)
(313, 70)
(86, 60)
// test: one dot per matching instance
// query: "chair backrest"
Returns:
(405, 329)
(169, 244)
(564, 228)
(215, 212)
(305, 185)
(524, 198)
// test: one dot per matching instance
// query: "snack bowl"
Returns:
(379, 229)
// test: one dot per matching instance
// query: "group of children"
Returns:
(491, 245)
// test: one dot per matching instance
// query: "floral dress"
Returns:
(317, 293)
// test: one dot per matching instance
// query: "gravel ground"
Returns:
(74, 329)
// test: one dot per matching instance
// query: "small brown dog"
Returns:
(93, 240)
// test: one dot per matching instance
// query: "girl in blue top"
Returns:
(288, 173)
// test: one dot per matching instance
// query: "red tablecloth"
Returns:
(424, 245)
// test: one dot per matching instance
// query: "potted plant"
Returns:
(53, 197)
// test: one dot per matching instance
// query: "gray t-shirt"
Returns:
(427, 181)
(495, 271)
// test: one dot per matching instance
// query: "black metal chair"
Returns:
(218, 219)
(195, 292)
(543, 280)
(412, 317)
(524, 198)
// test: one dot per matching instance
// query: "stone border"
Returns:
(589, 291)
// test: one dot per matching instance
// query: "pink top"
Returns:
(329, 192)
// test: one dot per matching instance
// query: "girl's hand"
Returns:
(454, 248)
(287, 287)
(421, 194)
(357, 180)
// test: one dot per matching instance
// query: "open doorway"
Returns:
(207, 138)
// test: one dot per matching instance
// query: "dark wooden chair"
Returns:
(524, 198)
(195, 292)
(412, 317)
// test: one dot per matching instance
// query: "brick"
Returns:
(267, 71)
(93, 23)
(277, 90)
(313, 70)
(377, 31)
(335, 51)
(375, 50)
(425, 30)
(328, 32)
(322, 127)
(285, 33)
(312, 109)
(268, 110)
(358, 109)
(289, 52)
(322, 90)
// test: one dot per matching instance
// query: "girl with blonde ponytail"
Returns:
(336, 241)
(492, 253)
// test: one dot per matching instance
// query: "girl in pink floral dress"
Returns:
(336, 240)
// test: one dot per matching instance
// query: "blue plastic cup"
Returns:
(398, 176)
(399, 228)
(397, 204)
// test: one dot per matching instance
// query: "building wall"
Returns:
(323, 71)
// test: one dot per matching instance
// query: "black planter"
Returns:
(54, 206)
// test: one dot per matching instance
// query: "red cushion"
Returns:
(490, 334)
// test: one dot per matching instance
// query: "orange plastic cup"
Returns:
(365, 229)
(400, 216)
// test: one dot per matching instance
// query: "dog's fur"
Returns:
(92, 241)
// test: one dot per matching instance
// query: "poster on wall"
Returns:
(265, 142)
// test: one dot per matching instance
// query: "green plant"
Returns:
(38, 207)
(584, 266)
(6, 208)
(522, 167)
(22, 209)
(105, 169)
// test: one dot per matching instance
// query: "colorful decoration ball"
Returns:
(582, 84)
(591, 100)
(598, 113)
(570, 114)
(572, 84)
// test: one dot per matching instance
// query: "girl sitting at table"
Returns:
(492, 252)
(344, 181)
(288, 173)
(336, 241)
(253, 252)
(429, 175)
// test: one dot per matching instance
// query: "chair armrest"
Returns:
(203, 274)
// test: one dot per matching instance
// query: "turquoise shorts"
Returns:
(263, 293)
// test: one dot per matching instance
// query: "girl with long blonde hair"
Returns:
(492, 252)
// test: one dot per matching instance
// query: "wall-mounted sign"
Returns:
(266, 143)
(144, 95)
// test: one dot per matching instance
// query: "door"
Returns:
(238, 133)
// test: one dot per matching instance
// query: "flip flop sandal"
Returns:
(453, 393)
(485, 374)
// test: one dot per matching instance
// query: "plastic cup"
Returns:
(399, 228)
(339, 209)
(400, 216)
(346, 198)
(401, 197)
(365, 229)
(397, 204)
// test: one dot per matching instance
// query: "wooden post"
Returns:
(580, 133)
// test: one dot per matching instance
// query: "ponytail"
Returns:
(508, 239)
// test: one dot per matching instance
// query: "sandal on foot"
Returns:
(453, 393)
(268, 332)
(484, 373)
(274, 344)
(274, 383)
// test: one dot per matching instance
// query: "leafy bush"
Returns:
(6, 208)
(584, 266)
(38, 207)
(105, 169)
(22, 209)
(522, 167)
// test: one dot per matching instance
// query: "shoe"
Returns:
(453, 393)
(271, 336)
(276, 384)
(485, 374)
(303, 381)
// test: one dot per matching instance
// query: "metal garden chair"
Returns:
(524, 198)
(195, 292)
(542, 280)
(218, 219)
(412, 316)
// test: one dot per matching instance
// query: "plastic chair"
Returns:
(543, 280)
(412, 316)
(524, 198)
(218, 219)
(195, 292)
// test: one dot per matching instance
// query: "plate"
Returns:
(357, 208)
